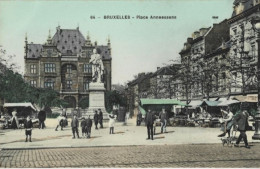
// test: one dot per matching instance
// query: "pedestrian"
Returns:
(241, 121)
(149, 120)
(163, 119)
(64, 113)
(100, 118)
(126, 117)
(61, 121)
(88, 126)
(74, 126)
(83, 127)
(28, 129)
(112, 121)
(42, 118)
(14, 120)
(139, 118)
(96, 119)
(227, 122)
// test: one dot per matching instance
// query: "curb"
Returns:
(100, 146)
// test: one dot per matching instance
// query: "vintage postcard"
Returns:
(129, 84)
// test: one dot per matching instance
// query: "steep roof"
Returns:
(105, 53)
(34, 50)
(68, 41)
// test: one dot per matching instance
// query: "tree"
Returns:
(13, 88)
(114, 98)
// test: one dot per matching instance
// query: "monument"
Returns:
(96, 87)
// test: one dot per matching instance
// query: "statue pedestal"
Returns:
(96, 100)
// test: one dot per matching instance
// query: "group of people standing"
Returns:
(149, 121)
(98, 118)
(86, 124)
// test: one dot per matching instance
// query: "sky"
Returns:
(138, 45)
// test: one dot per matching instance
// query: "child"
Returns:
(111, 123)
(28, 129)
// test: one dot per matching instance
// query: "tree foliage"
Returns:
(114, 98)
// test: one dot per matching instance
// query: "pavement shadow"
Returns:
(119, 132)
(164, 133)
(161, 137)
(95, 137)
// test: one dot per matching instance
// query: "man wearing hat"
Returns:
(88, 126)
(100, 118)
(74, 126)
(83, 127)
(149, 120)
(241, 120)
(96, 119)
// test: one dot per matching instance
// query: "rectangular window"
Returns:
(87, 68)
(69, 68)
(49, 84)
(86, 85)
(49, 67)
(33, 69)
(33, 83)
(69, 84)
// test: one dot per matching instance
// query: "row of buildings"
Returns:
(217, 61)
(62, 63)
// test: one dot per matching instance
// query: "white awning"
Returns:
(19, 105)
(228, 102)
(194, 104)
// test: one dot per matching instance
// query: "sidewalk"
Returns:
(124, 136)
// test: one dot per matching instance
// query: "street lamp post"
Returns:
(256, 136)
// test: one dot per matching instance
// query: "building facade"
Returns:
(62, 63)
(244, 52)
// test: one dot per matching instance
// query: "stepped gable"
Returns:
(34, 50)
(68, 41)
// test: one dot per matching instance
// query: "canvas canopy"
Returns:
(20, 105)
(143, 112)
(249, 98)
(228, 102)
(161, 102)
(210, 103)
(194, 104)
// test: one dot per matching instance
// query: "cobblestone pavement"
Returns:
(199, 155)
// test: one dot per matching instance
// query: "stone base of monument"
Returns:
(96, 100)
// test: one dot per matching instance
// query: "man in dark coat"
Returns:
(74, 126)
(100, 117)
(139, 118)
(42, 118)
(28, 128)
(96, 119)
(241, 120)
(149, 120)
(83, 127)
(88, 126)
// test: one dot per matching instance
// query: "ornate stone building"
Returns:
(62, 63)
(243, 52)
